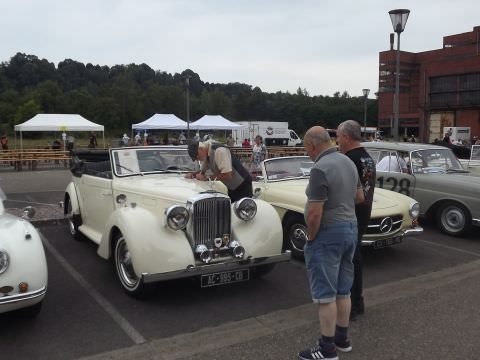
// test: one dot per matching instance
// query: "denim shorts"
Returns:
(328, 258)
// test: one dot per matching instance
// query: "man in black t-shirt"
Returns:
(348, 138)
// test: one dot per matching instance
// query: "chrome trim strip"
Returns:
(211, 268)
(476, 222)
(9, 299)
(417, 230)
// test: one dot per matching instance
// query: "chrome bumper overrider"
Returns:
(11, 299)
(218, 267)
(417, 230)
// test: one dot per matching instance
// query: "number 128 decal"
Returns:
(402, 186)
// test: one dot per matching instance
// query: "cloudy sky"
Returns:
(324, 46)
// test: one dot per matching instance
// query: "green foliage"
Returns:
(121, 95)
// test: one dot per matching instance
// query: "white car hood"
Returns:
(166, 186)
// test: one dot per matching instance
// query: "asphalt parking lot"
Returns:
(87, 313)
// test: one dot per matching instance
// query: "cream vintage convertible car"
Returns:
(23, 266)
(156, 225)
(283, 183)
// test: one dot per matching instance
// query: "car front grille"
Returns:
(211, 219)
(384, 225)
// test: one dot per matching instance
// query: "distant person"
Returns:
(446, 138)
(412, 138)
(259, 153)
(92, 143)
(137, 139)
(196, 137)
(4, 142)
(392, 163)
(125, 140)
(476, 140)
(56, 144)
(182, 140)
(70, 142)
(246, 143)
(229, 141)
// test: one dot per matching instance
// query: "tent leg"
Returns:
(103, 137)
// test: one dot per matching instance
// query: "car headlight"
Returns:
(414, 210)
(177, 217)
(4, 261)
(245, 209)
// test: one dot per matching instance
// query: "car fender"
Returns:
(24, 246)
(261, 236)
(72, 194)
(155, 248)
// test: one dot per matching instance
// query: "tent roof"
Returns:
(161, 121)
(58, 122)
(214, 122)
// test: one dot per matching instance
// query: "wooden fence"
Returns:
(32, 158)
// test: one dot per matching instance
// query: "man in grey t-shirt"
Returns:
(333, 189)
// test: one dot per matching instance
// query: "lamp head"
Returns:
(399, 19)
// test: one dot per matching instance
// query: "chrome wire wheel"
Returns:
(297, 236)
(124, 266)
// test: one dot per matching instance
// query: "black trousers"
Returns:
(243, 190)
(357, 286)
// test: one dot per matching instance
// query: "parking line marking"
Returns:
(450, 247)
(131, 332)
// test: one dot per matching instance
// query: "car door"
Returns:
(393, 172)
(97, 199)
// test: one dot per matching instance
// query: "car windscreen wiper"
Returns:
(133, 172)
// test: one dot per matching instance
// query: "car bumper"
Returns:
(193, 271)
(17, 301)
(476, 222)
(392, 240)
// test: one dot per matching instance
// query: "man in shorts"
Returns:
(333, 189)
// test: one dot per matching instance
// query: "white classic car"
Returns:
(283, 183)
(23, 266)
(156, 225)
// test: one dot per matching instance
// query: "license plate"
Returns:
(387, 242)
(226, 277)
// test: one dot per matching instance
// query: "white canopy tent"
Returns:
(161, 121)
(58, 122)
(214, 122)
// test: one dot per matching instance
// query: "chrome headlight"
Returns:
(4, 261)
(245, 209)
(414, 210)
(177, 217)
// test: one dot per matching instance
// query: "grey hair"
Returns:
(352, 129)
(318, 137)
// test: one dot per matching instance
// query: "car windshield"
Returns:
(152, 159)
(434, 161)
(288, 167)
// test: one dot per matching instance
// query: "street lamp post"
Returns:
(187, 84)
(365, 98)
(399, 20)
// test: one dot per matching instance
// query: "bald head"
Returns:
(316, 140)
(317, 135)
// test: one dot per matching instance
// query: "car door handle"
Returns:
(106, 193)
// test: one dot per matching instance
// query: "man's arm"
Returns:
(359, 196)
(314, 218)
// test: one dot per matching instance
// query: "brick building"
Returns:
(438, 88)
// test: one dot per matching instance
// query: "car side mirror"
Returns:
(259, 178)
